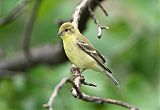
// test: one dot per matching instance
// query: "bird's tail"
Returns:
(111, 77)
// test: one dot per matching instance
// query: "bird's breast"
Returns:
(77, 56)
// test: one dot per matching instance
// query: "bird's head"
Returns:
(66, 30)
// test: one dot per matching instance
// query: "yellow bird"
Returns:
(81, 52)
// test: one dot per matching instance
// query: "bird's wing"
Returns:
(94, 54)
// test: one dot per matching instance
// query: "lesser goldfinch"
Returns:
(81, 52)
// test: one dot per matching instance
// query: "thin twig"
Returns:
(99, 26)
(102, 8)
(54, 93)
(29, 28)
(14, 13)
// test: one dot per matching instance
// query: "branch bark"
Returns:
(48, 54)
(82, 14)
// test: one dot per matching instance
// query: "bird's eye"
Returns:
(66, 30)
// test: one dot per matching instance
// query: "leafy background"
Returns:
(131, 46)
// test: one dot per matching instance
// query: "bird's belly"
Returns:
(78, 57)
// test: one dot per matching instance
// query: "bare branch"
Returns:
(48, 54)
(6, 73)
(78, 10)
(100, 100)
(81, 14)
(76, 82)
(102, 8)
(55, 93)
(14, 13)
(89, 4)
(29, 28)
(99, 26)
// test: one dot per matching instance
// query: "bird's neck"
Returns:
(69, 38)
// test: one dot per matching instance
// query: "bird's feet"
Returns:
(74, 70)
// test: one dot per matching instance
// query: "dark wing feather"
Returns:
(101, 56)
(94, 54)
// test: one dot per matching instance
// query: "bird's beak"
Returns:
(59, 34)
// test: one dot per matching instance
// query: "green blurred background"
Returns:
(131, 46)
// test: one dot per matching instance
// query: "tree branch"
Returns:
(55, 93)
(99, 26)
(81, 14)
(48, 54)
(102, 8)
(76, 82)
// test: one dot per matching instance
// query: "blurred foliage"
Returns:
(131, 46)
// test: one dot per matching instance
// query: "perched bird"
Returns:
(81, 52)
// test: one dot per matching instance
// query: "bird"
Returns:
(81, 52)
